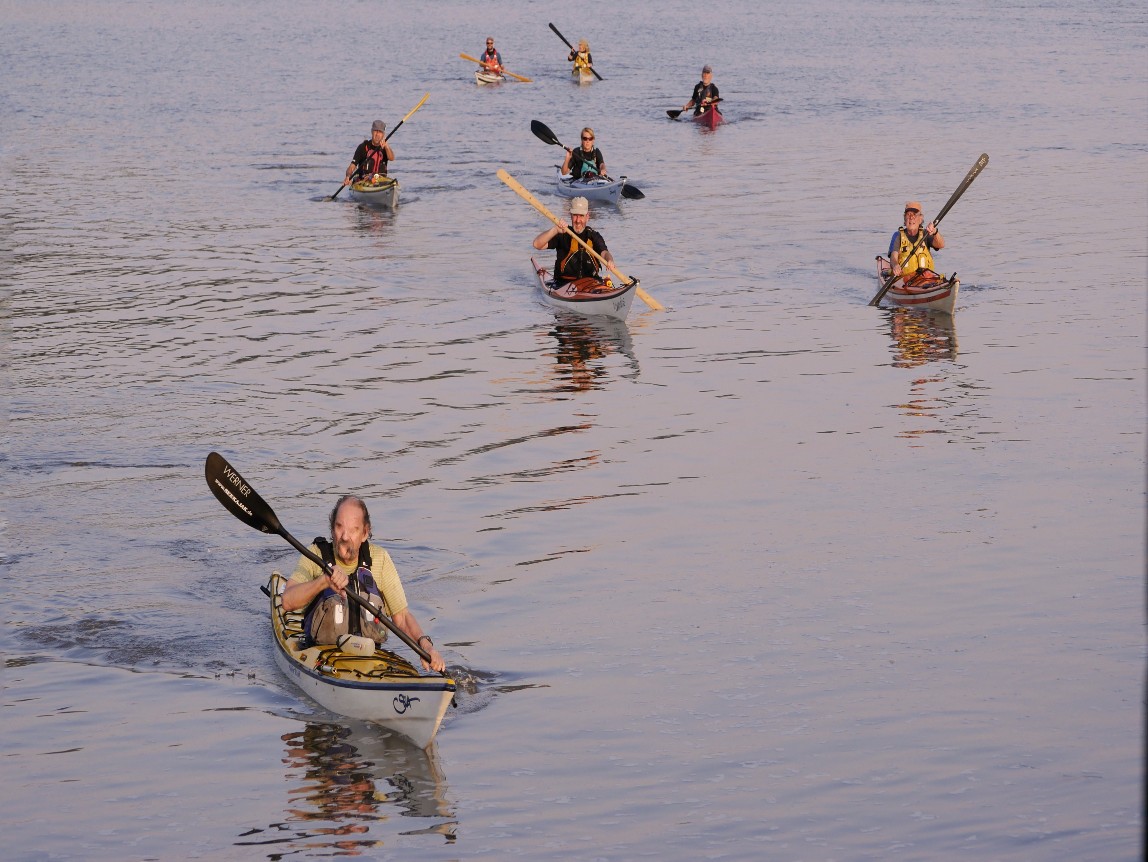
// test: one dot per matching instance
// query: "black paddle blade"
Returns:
(673, 115)
(238, 497)
(634, 194)
(543, 133)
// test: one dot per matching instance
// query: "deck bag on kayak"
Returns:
(328, 617)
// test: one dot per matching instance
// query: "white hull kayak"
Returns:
(598, 189)
(481, 77)
(581, 75)
(588, 296)
(381, 688)
(925, 290)
(381, 192)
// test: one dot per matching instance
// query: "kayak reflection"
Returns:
(583, 347)
(921, 336)
(350, 789)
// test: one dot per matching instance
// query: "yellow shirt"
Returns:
(382, 570)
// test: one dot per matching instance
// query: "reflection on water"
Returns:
(583, 345)
(939, 401)
(345, 787)
(921, 336)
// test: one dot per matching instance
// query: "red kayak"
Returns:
(710, 118)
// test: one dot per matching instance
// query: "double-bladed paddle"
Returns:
(534, 202)
(572, 48)
(240, 499)
(395, 129)
(677, 112)
(521, 78)
(965, 183)
(543, 133)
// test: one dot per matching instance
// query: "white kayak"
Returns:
(381, 688)
(589, 296)
(378, 190)
(484, 77)
(597, 189)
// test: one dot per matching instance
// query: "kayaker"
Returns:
(371, 157)
(705, 92)
(354, 556)
(573, 261)
(904, 237)
(491, 59)
(581, 58)
(586, 162)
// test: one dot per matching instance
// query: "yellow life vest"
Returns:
(921, 259)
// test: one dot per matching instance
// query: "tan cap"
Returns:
(913, 205)
(579, 206)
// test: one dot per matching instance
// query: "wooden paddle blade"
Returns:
(649, 300)
(543, 133)
(631, 192)
(238, 497)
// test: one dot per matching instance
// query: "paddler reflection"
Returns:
(346, 783)
(921, 336)
(583, 345)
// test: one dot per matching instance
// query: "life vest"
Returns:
(583, 163)
(578, 262)
(375, 162)
(492, 60)
(582, 60)
(359, 622)
(701, 93)
(921, 259)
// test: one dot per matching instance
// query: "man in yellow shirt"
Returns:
(354, 557)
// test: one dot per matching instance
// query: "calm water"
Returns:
(770, 574)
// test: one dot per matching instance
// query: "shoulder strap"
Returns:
(326, 550)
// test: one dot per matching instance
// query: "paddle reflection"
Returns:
(348, 787)
(921, 336)
(583, 347)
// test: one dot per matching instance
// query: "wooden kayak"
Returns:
(483, 77)
(381, 688)
(597, 189)
(710, 118)
(589, 296)
(379, 191)
(925, 289)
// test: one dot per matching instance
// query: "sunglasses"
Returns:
(586, 138)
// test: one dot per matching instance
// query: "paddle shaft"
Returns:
(974, 171)
(534, 202)
(522, 78)
(395, 129)
(572, 48)
(241, 500)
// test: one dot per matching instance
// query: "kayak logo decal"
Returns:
(402, 703)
